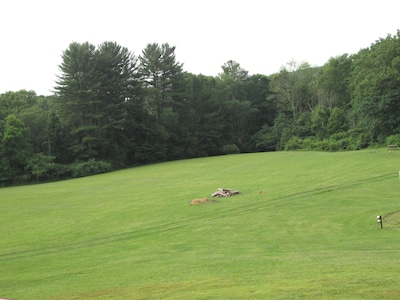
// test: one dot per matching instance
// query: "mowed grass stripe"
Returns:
(243, 209)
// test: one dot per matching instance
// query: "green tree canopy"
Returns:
(15, 149)
(376, 88)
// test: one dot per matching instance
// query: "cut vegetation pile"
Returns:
(225, 193)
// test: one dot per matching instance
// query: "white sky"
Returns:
(261, 35)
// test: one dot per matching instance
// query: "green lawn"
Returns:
(131, 234)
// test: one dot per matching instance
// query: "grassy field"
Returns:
(131, 234)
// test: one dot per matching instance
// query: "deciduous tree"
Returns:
(376, 87)
(15, 149)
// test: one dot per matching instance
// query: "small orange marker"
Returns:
(261, 192)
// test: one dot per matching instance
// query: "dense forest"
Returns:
(112, 109)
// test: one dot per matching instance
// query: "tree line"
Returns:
(112, 109)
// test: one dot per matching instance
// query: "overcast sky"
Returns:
(261, 35)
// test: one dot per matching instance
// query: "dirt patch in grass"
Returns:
(199, 201)
(391, 220)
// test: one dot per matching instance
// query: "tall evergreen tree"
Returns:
(160, 72)
(201, 118)
(116, 72)
(163, 83)
(77, 90)
(93, 92)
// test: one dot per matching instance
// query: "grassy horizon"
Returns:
(131, 234)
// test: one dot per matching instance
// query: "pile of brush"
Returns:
(225, 193)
